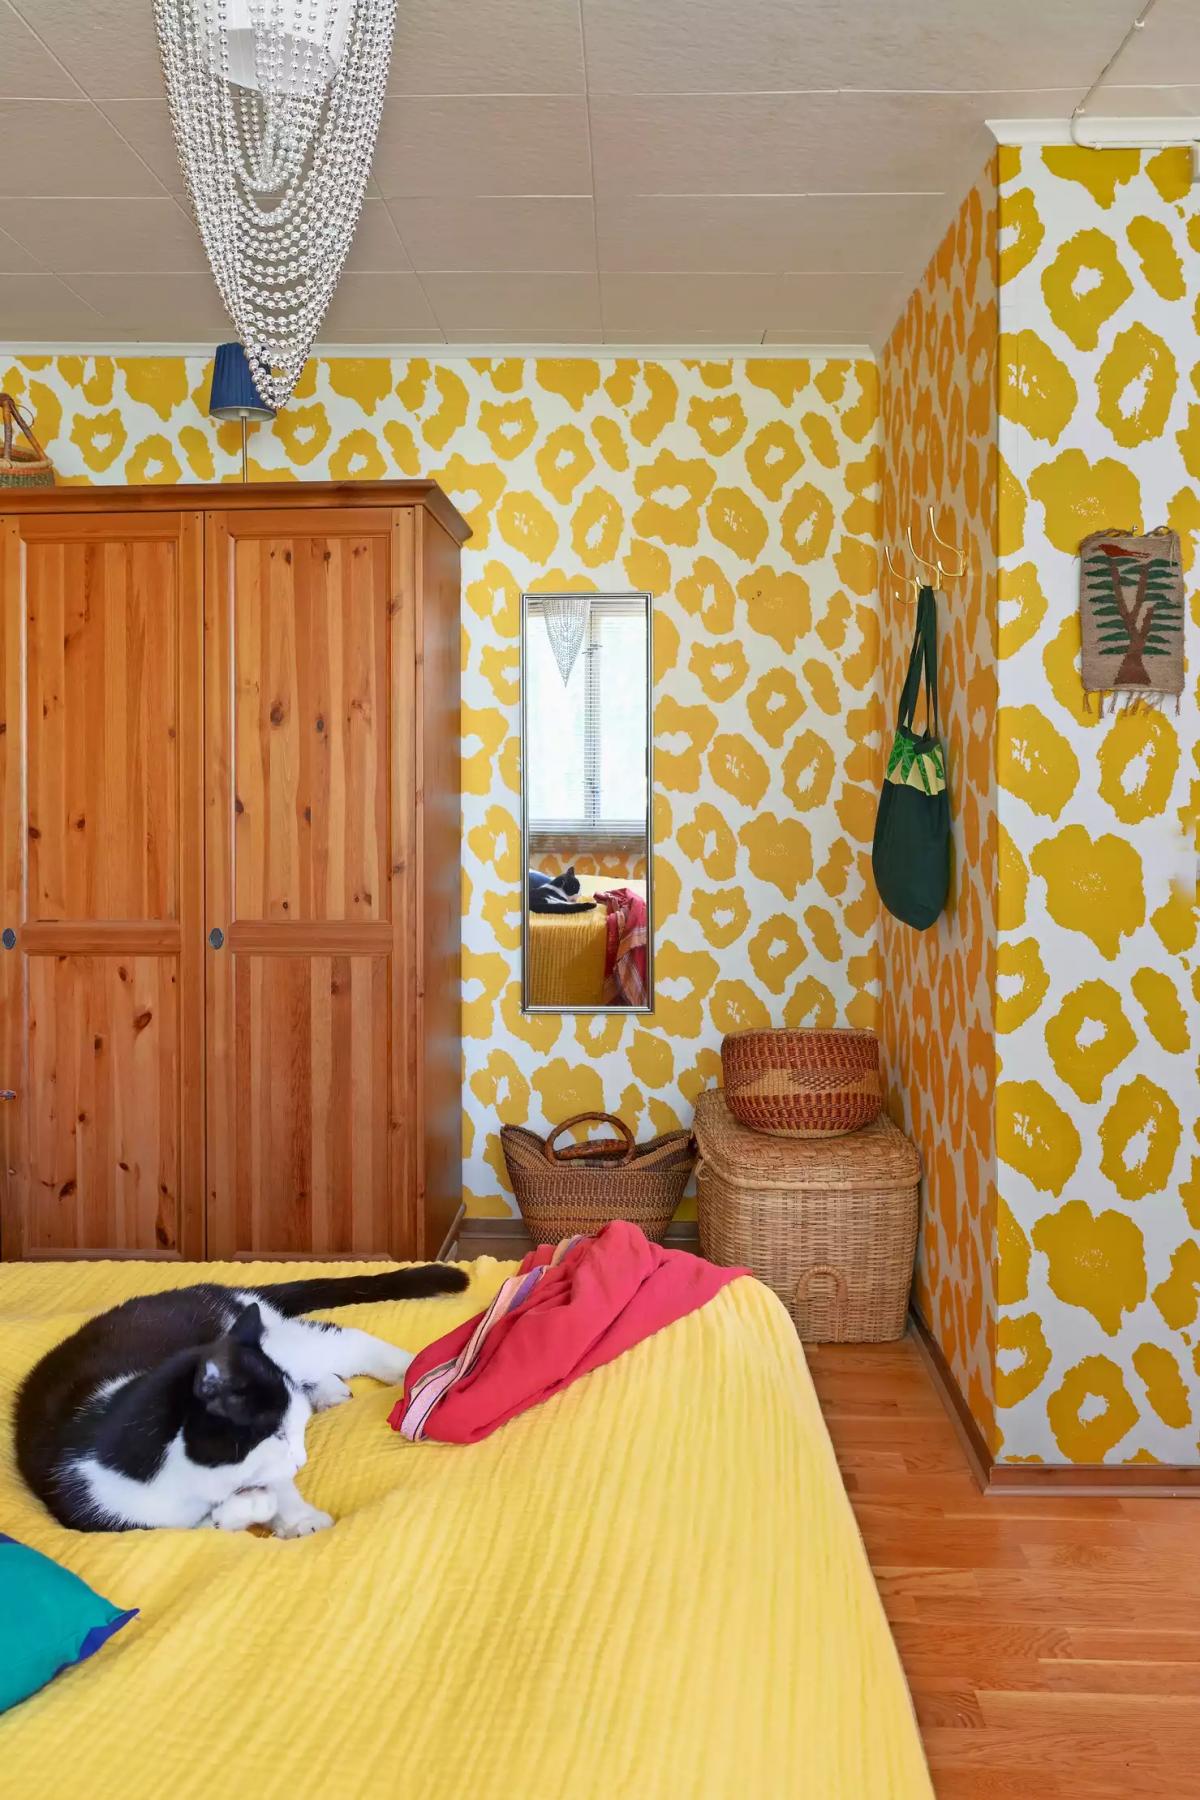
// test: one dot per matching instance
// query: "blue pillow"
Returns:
(49, 1620)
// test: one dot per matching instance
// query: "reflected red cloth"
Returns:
(625, 947)
(606, 1294)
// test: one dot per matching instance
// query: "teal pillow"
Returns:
(49, 1620)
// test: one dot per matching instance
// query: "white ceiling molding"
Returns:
(1145, 130)
(441, 352)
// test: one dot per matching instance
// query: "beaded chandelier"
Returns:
(566, 617)
(275, 106)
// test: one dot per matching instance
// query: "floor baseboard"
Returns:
(954, 1400)
(1121, 1481)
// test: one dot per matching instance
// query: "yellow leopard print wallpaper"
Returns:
(1041, 1041)
(1098, 999)
(743, 495)
(939, 431)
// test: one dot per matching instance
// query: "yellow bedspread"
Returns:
(650, 1588)
(567, 950)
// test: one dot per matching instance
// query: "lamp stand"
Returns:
(245, 459)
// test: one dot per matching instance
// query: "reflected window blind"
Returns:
(587, 751)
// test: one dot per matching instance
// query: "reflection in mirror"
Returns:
(585, 799)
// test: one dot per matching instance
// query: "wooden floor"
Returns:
(1052, 1645)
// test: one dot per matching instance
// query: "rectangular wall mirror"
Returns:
(587, 942)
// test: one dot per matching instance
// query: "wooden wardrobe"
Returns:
(229, 793)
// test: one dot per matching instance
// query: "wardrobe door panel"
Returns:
(311, 1094)
(101, 1005)
(104, 1037)
(308, 796)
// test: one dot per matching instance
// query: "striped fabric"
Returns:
(433, 1386)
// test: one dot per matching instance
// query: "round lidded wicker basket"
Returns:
(583, 1187)
(802, 1083)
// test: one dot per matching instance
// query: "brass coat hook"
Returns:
(942, 574)
(904, 580)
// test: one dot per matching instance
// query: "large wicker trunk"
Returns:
(829, 1223)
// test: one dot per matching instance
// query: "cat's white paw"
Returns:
(331, 1390)
(249, 1506)
(303, 1524)
(393, 1366)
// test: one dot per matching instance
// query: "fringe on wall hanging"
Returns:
(1131, 605)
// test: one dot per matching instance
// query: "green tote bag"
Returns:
(911, 853)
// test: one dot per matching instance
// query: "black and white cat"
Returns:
(189, 1407)
(556, 893)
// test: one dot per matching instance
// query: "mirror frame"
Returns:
(619, 1012)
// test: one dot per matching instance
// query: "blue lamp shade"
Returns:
(234, 395)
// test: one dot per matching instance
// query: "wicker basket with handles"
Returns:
(802, 1083)
(829, 1224)
(23, 462)
(582, 1187)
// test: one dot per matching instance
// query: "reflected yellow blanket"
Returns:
(650, 1588)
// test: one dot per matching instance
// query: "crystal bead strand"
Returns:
(276, 173)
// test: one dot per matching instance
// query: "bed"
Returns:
(650, 1588)
(566, 950)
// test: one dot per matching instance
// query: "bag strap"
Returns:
(604, 1148)
(922, 660)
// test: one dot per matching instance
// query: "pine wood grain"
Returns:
(439, 733)
(41, 506)
(301, 711)
(102, 1028)
(1052, 1644)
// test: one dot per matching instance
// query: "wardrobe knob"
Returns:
(8, 1093)
(216, 937)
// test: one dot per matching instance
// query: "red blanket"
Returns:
(569, 1308)
(624, 948)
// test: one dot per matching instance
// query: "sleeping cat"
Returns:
(189, 1407)
(556, 893)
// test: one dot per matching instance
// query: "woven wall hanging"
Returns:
(1132, 612)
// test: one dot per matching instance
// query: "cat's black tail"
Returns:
(292, 1298)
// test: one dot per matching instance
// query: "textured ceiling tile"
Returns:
(37, 308)
(504, 234)
(109, 46)
(13, 260)
(26, 66)
(502, 304)
(861, 231)
(785, 143)
(376, 247)
(150, 232)
(743, 307)
(146, 127)
(381, 304)
(673, 46)
(494, 144)
(157, 308)
(488, 47)
(70, 148)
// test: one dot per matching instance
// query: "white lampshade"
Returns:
(278, 46)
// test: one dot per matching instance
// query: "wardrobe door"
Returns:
(308, 793)
(101, 970)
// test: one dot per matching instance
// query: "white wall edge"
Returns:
(1098, 133)
(465, 352)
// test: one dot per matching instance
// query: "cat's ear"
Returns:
(210, 1379)
(247, 1328)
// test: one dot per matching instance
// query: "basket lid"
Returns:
(877, 1156)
